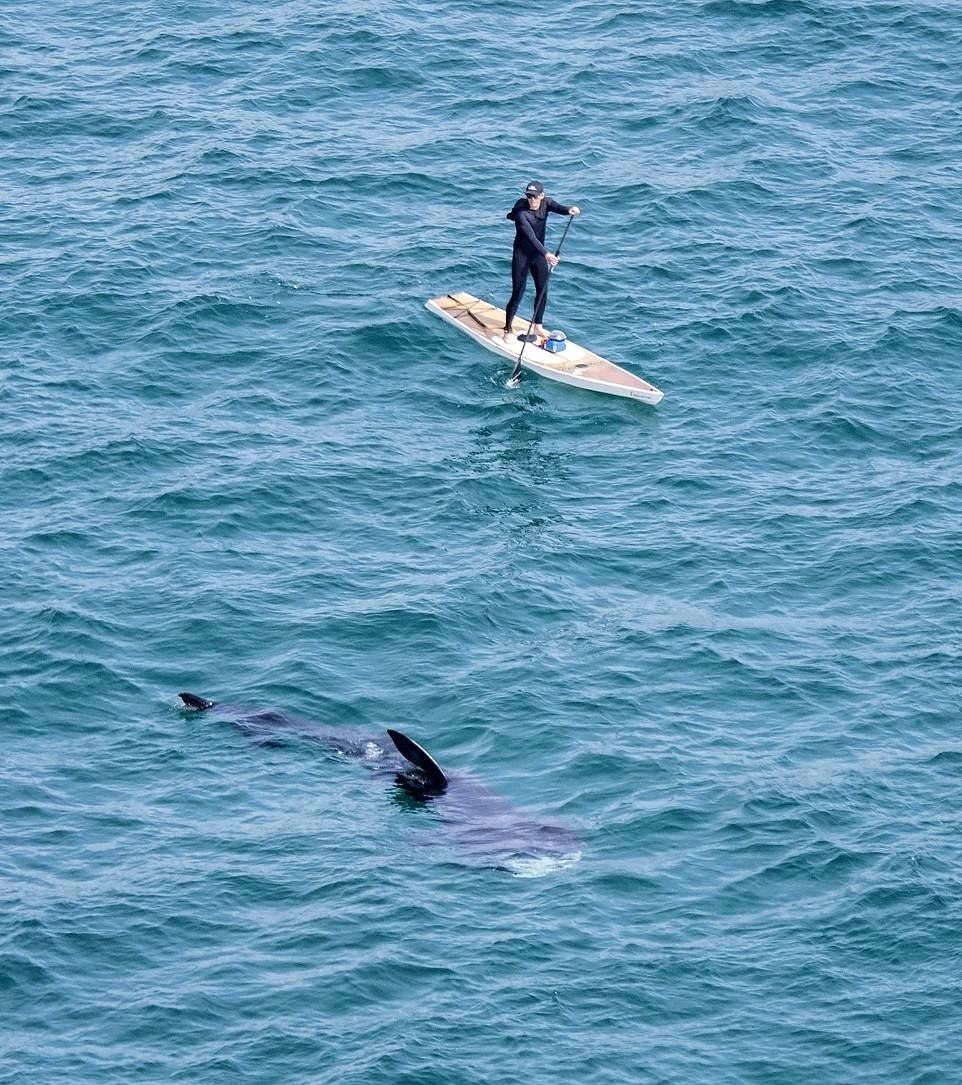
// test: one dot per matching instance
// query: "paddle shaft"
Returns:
(516, 372)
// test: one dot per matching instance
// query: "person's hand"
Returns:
(552, 259)
(574, 211)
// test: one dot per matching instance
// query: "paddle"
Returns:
(515, 379)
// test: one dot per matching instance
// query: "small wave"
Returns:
(948, 759)
(373, 752)
(540, 866)
(23, 977)
(756, 9)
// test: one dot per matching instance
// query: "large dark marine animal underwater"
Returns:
(484, 826)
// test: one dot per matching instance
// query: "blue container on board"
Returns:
(555, 342)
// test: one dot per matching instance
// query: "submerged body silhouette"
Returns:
(484, 825)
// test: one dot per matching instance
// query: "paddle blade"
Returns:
(515, 379)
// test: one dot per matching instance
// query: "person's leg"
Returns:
(519, 278)
(541, 275)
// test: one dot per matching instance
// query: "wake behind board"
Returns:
(574, 365)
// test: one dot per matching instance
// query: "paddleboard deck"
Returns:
(574, 365)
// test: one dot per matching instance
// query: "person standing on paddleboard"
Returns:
(529, 216)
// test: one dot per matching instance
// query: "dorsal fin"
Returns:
(419, 757)
(191, 700)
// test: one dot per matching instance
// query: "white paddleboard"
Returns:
(574, 365)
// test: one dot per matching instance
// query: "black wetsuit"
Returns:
(529, 255)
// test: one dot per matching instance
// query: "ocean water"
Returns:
(713, 646)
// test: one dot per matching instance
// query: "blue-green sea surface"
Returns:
(713, 645)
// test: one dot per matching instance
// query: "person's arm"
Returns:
(560, 209)
(524, 225)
